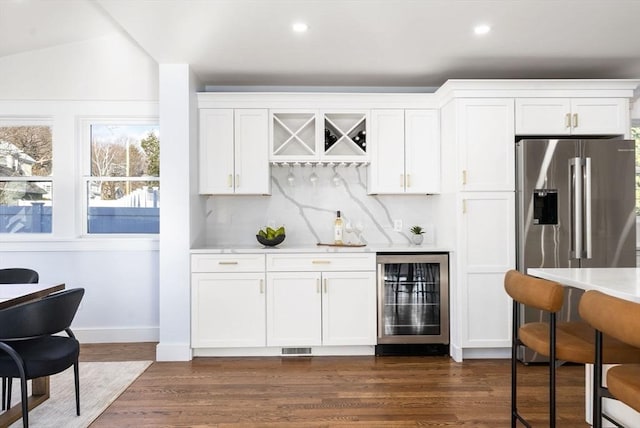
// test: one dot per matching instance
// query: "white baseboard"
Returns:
(456, 353)
(117, 335)
(173, 352)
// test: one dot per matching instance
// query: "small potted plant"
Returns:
(417, 235)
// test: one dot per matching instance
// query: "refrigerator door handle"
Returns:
(575, 178)
(587, 208)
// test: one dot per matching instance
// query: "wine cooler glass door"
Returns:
(413, 304)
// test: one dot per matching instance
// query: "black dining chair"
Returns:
(15, 276)
(29, 346)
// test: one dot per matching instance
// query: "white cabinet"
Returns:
(298, 135)
(234, 151)
(485, 144)
(486, 244)
(572, 116)
(320, 299)
(228, 306)
(405, 152)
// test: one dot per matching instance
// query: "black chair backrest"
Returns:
(18, 276)
(49, 315)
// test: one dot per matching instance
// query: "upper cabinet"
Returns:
(485, 138)
(572, 116)
(234, 152)
(405, 152)
(319, 136)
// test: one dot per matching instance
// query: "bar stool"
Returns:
(559, 341)
(620, 319)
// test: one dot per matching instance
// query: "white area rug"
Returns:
(100, 385)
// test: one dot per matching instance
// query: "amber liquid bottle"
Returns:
(337, 229)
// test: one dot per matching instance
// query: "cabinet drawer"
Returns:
(321, 262)
(227, 263)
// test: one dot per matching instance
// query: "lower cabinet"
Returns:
(297, 300)
(228, 310)
(321, 308)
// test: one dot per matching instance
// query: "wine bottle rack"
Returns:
(345, 135)
(294, 135)
(312, 136)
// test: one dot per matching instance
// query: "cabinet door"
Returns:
(422, 151)
(486, 144)
(216, 151)
(486, 242)
(593, 116)
(543, 116)
(386, 172)
(228, 310)
(348, 308)
(294, 309)
(252, 152)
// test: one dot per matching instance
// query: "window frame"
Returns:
(36, 120)
(84, 136)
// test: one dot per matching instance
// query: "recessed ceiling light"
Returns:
(481, 29)
(300, 27)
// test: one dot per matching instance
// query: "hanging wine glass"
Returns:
(313, 178)
(291, 179)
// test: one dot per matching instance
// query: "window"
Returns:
(123, 187)
(26, 187)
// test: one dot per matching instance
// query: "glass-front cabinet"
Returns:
(308, 136)
(413, 298)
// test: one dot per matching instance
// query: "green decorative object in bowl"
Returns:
(271, 237)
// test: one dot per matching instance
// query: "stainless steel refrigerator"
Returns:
(575, 207)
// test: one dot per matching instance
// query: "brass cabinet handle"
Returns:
(237, 180)
(321, 262)
(318, 286)
(261, 286)
(464, 176)
(567, 120)
(401, 180)
(230, 181)
(575, 120)
(325, 286)
(408, 180)
(464, 206)
(227, 263)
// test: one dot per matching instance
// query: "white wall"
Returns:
(105, 77)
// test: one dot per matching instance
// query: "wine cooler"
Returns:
(413, 303)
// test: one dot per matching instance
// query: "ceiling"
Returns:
(381, 43)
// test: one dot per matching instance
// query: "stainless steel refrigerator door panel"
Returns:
(611, 208)
(544, 165)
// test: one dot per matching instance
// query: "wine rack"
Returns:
(293, 135)
(345, 136)
(325, 137)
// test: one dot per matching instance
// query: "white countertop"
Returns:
(283, 248)
(619, 282)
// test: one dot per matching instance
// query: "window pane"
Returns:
(25, 206)
(123, 206)
(125, 150)
(25, 151)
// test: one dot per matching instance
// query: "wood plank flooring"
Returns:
(333, 392)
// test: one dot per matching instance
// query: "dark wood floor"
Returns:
(332, 392)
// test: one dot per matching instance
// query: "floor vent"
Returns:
(293, 352)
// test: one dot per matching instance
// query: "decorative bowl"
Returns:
(270, 242)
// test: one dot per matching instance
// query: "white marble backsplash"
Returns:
(308, 209)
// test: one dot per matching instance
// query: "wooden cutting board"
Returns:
(320, 244)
